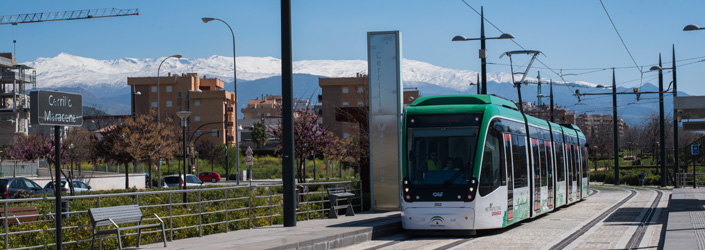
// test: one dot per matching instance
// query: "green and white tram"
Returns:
(475, 162)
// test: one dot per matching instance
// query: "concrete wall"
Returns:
(104, 182)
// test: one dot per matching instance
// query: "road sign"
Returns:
(193, 168)
(54, 108)
(248, 156)
(695, 149)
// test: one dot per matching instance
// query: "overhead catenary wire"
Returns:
(620, 38)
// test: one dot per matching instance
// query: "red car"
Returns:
(209, 176)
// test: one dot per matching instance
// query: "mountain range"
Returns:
(103, 83)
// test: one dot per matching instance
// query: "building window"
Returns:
(168, 104)
(178, 94)
(154, 104)
(154, 89)
(168, 89)
(346, 104)
(360, 104)
(346, 135)
(180, 108)
(345, 90)
(197, 118)
(360, 89)
(197, 103)
(214, 132)
(198, 133)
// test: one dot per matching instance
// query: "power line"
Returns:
(620, 37)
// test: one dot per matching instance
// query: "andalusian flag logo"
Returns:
(437, 219)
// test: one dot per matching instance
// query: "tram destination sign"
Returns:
(54, 108)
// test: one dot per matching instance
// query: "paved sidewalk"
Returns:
(686, 219)
(313, 234)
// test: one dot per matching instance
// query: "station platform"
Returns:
(686, 219)
(313, 234)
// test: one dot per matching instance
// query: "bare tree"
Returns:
(148, 141)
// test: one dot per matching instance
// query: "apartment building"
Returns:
(15, 81)
(597, 124)
(346, 97)
(206, 98)
(561, 114)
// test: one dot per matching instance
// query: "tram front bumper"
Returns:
(428, 218)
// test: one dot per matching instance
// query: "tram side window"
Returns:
(520, 164)
(544, 164)
(573, 164)
(560, 162)
(490, 174)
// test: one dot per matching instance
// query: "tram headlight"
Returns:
(472, 189)
(406, 190)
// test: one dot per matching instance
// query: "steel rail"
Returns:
(575, 235)
(638, 235)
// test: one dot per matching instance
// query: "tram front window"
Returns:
(437, 155)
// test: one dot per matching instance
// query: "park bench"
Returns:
(334, 196)
(117, 215)
(14, 212)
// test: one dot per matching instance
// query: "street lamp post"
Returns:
(227, 157)
(662, 143)
(184, 122)
(237, 142)
(483, 51)
(159, 104)
(134, 96)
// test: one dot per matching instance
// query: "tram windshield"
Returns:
(441, 155)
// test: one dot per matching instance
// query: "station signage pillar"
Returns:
(385, 109)
(58, 109)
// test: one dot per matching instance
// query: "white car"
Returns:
(78, 186)
(176, 180)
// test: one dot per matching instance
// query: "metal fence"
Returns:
(186, 213)
(18, 168)
(687, 180)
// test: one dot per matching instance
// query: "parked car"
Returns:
(10, 185)
(209, 176)
(176, 180)
(78, 186)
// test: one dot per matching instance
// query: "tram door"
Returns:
(550, 173)
(536, 170)
(579, 173)
(510, 177)
(569, 179)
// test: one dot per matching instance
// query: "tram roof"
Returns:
(463, 100)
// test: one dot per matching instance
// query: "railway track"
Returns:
(575, 235)
(638, 235)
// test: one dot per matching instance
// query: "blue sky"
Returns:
(572, 34)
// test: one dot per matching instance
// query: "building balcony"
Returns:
(11, 76)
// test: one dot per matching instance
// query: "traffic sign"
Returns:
(248, 159)
(695, 149)
(248, 151)
(193, 168)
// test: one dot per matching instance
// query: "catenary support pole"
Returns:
(615, 121)
(662, 132)
(676, 153)
(287, 139)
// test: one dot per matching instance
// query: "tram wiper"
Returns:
(456, 175)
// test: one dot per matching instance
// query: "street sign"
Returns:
(248, 151)
(54, 108)
(695, 149)
(193, 168)
(248, 156)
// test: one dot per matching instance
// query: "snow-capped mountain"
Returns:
(65, 70)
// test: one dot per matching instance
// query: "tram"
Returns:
(473, 162)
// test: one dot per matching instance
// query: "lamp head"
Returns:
(138, 93)
(183, 114)
(459, 38)
(655, 68)
(506, 36)
(178, 56)
(207, 19)
(691, 27)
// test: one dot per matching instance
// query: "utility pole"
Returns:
(287, 139)
(483, 52)
(551, 98)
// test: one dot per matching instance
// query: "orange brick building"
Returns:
(210, 104)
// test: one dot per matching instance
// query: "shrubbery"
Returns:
(626, 177)
(77, 226)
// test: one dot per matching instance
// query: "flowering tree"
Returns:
(30, 147)
(309, 138)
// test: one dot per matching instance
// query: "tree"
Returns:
(111, 147)
(208, 151)
(309, 138)
(259, 134)
(149, 141)
(30, 147)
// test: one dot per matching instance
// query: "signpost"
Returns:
(54, 108)
(248, 162)
(695, 151)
